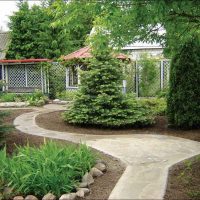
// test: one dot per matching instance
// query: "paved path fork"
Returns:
(147, 157)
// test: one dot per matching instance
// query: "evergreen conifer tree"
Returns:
(100, 101)
(184, 90)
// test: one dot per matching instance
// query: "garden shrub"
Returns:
(7, 97)
(158, 106)
(100, 101)
(37, 98)
(163, 93)
(149, 76)
(51, 168)
(184, 87)
(67, 95)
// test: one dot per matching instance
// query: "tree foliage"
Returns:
(170, 22)
(184, 91)
(32, 35)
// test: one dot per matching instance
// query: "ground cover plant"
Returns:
(51, 168)
(100, 102)
(37, 98)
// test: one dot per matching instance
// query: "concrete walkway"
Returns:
(148, 157)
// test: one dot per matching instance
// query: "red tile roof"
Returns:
(25, 60)
(85, 53)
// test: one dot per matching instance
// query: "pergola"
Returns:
(23, 76)
(72, 75)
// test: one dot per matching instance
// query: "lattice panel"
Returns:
(130, 77)
(16, 76)
(58, 77)
(33, 76)
(166, 65)
(151, 88)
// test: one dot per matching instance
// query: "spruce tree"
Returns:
(100, 101)
(184, 91)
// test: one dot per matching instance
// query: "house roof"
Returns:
(25, 60)
(142, 45)
(85, 52)
(4, 39)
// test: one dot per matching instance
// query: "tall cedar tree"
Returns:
(184, 93)
(32, 35)
(100, 101)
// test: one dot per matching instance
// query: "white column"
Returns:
(67, 77)
(6, 69)
(161, 74)
(78, 71)
(26, 76)
(42, 81)
(3, 77)
(136, 79)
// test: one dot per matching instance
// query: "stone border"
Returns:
(13, 104)
(98, 170)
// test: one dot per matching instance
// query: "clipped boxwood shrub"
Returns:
(100, 101)
(184, 90)
(51, 168)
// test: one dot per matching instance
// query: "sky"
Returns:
(7, 7)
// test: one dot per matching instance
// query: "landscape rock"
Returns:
(18, 198)
(49, 196)
(101, 166)
(96, 172)
(83, 185)
(80, 193)
(85, 190)
(31, 197)
(70, 196)
(56, 100)
(13, 104)
(88, 179)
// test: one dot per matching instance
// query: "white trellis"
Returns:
(23, 77)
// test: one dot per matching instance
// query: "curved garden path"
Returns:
(148, 157)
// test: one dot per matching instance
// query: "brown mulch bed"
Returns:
(184, 180)
(102, 187)
(54, 121)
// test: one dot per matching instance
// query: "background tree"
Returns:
(32, 35)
